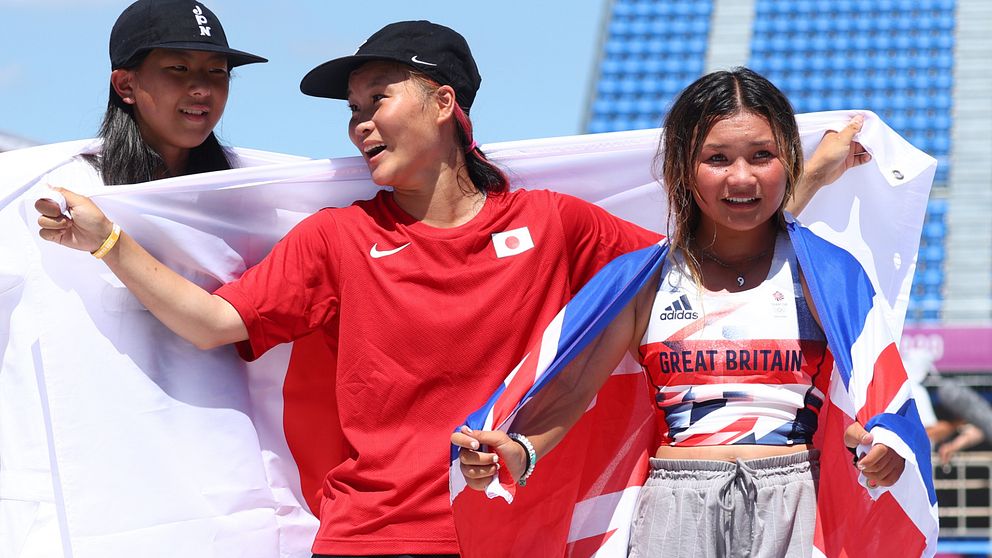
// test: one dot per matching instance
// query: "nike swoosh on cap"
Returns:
(416, 60)
(376, 253)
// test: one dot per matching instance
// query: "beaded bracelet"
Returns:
(115, 235)
(531, 456)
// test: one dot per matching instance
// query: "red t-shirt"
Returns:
(427, 323)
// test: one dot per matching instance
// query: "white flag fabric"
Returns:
(119, 438)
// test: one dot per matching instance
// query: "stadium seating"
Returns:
(893, 57)
(652, 51)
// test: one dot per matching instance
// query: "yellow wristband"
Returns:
(108, 244)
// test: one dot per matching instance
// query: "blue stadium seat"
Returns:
(619, 27)
(860, 44)
(839, 82)
(837, 101)
(905, 41)
(643, 9)
(934, 229)
(934, 254)
(899, 81)
(646, 106)
(643, 122)
(905, 23)
(776, 64)
(899, 101)
(623, 106)
(697, 45)
(941, 144)
(937, 209)
(598, 125)
(842, 7)
(941, 102)
(602, 106)
(920, 122)
(610, 65)
(778, 44)
(802, 25)
(607, 86)
(615, 47)
(815, 103)
(650, 85)
(944, 61)
(629, 86)
(933, 277)
(897, 121)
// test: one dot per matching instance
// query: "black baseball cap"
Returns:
(435, 50)
(172, 24)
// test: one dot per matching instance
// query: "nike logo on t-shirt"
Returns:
(376, 253)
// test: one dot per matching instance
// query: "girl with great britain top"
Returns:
(395, 282)
(735, 473)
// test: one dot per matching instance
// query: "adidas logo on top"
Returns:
(679, 310)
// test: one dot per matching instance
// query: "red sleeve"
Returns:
(291, 292)
(594, 237)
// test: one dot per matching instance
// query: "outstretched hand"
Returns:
(837, 153)
(882, 466)
(480, 467)
(85, 230)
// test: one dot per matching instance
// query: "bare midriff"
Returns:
(727, 453)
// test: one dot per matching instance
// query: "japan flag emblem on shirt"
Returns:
(512, 242)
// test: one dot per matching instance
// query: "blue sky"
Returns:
(536, 59)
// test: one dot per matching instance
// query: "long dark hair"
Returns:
(711, 98)
(127, 159)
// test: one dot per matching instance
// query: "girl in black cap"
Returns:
(423, 294)
(168, 89)
(170, 65)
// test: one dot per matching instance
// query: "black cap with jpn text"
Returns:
(171, 24)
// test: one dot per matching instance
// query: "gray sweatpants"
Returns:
(755, 508)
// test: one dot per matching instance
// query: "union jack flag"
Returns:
(580, 500)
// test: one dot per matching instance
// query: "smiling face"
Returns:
(395, 124)
(739, 181)
(178, 97)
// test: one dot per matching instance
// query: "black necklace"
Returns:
(737, 267)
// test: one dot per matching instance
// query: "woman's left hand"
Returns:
(836, 154)
(882, 466)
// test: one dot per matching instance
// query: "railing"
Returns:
(964, 497)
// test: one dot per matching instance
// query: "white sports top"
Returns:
(749, 367)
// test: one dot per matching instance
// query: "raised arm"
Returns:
(558, 406)
(836, 153)
(194, 314)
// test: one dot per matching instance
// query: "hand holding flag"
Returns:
(880, 465)
(85, 227)
(479, 467)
